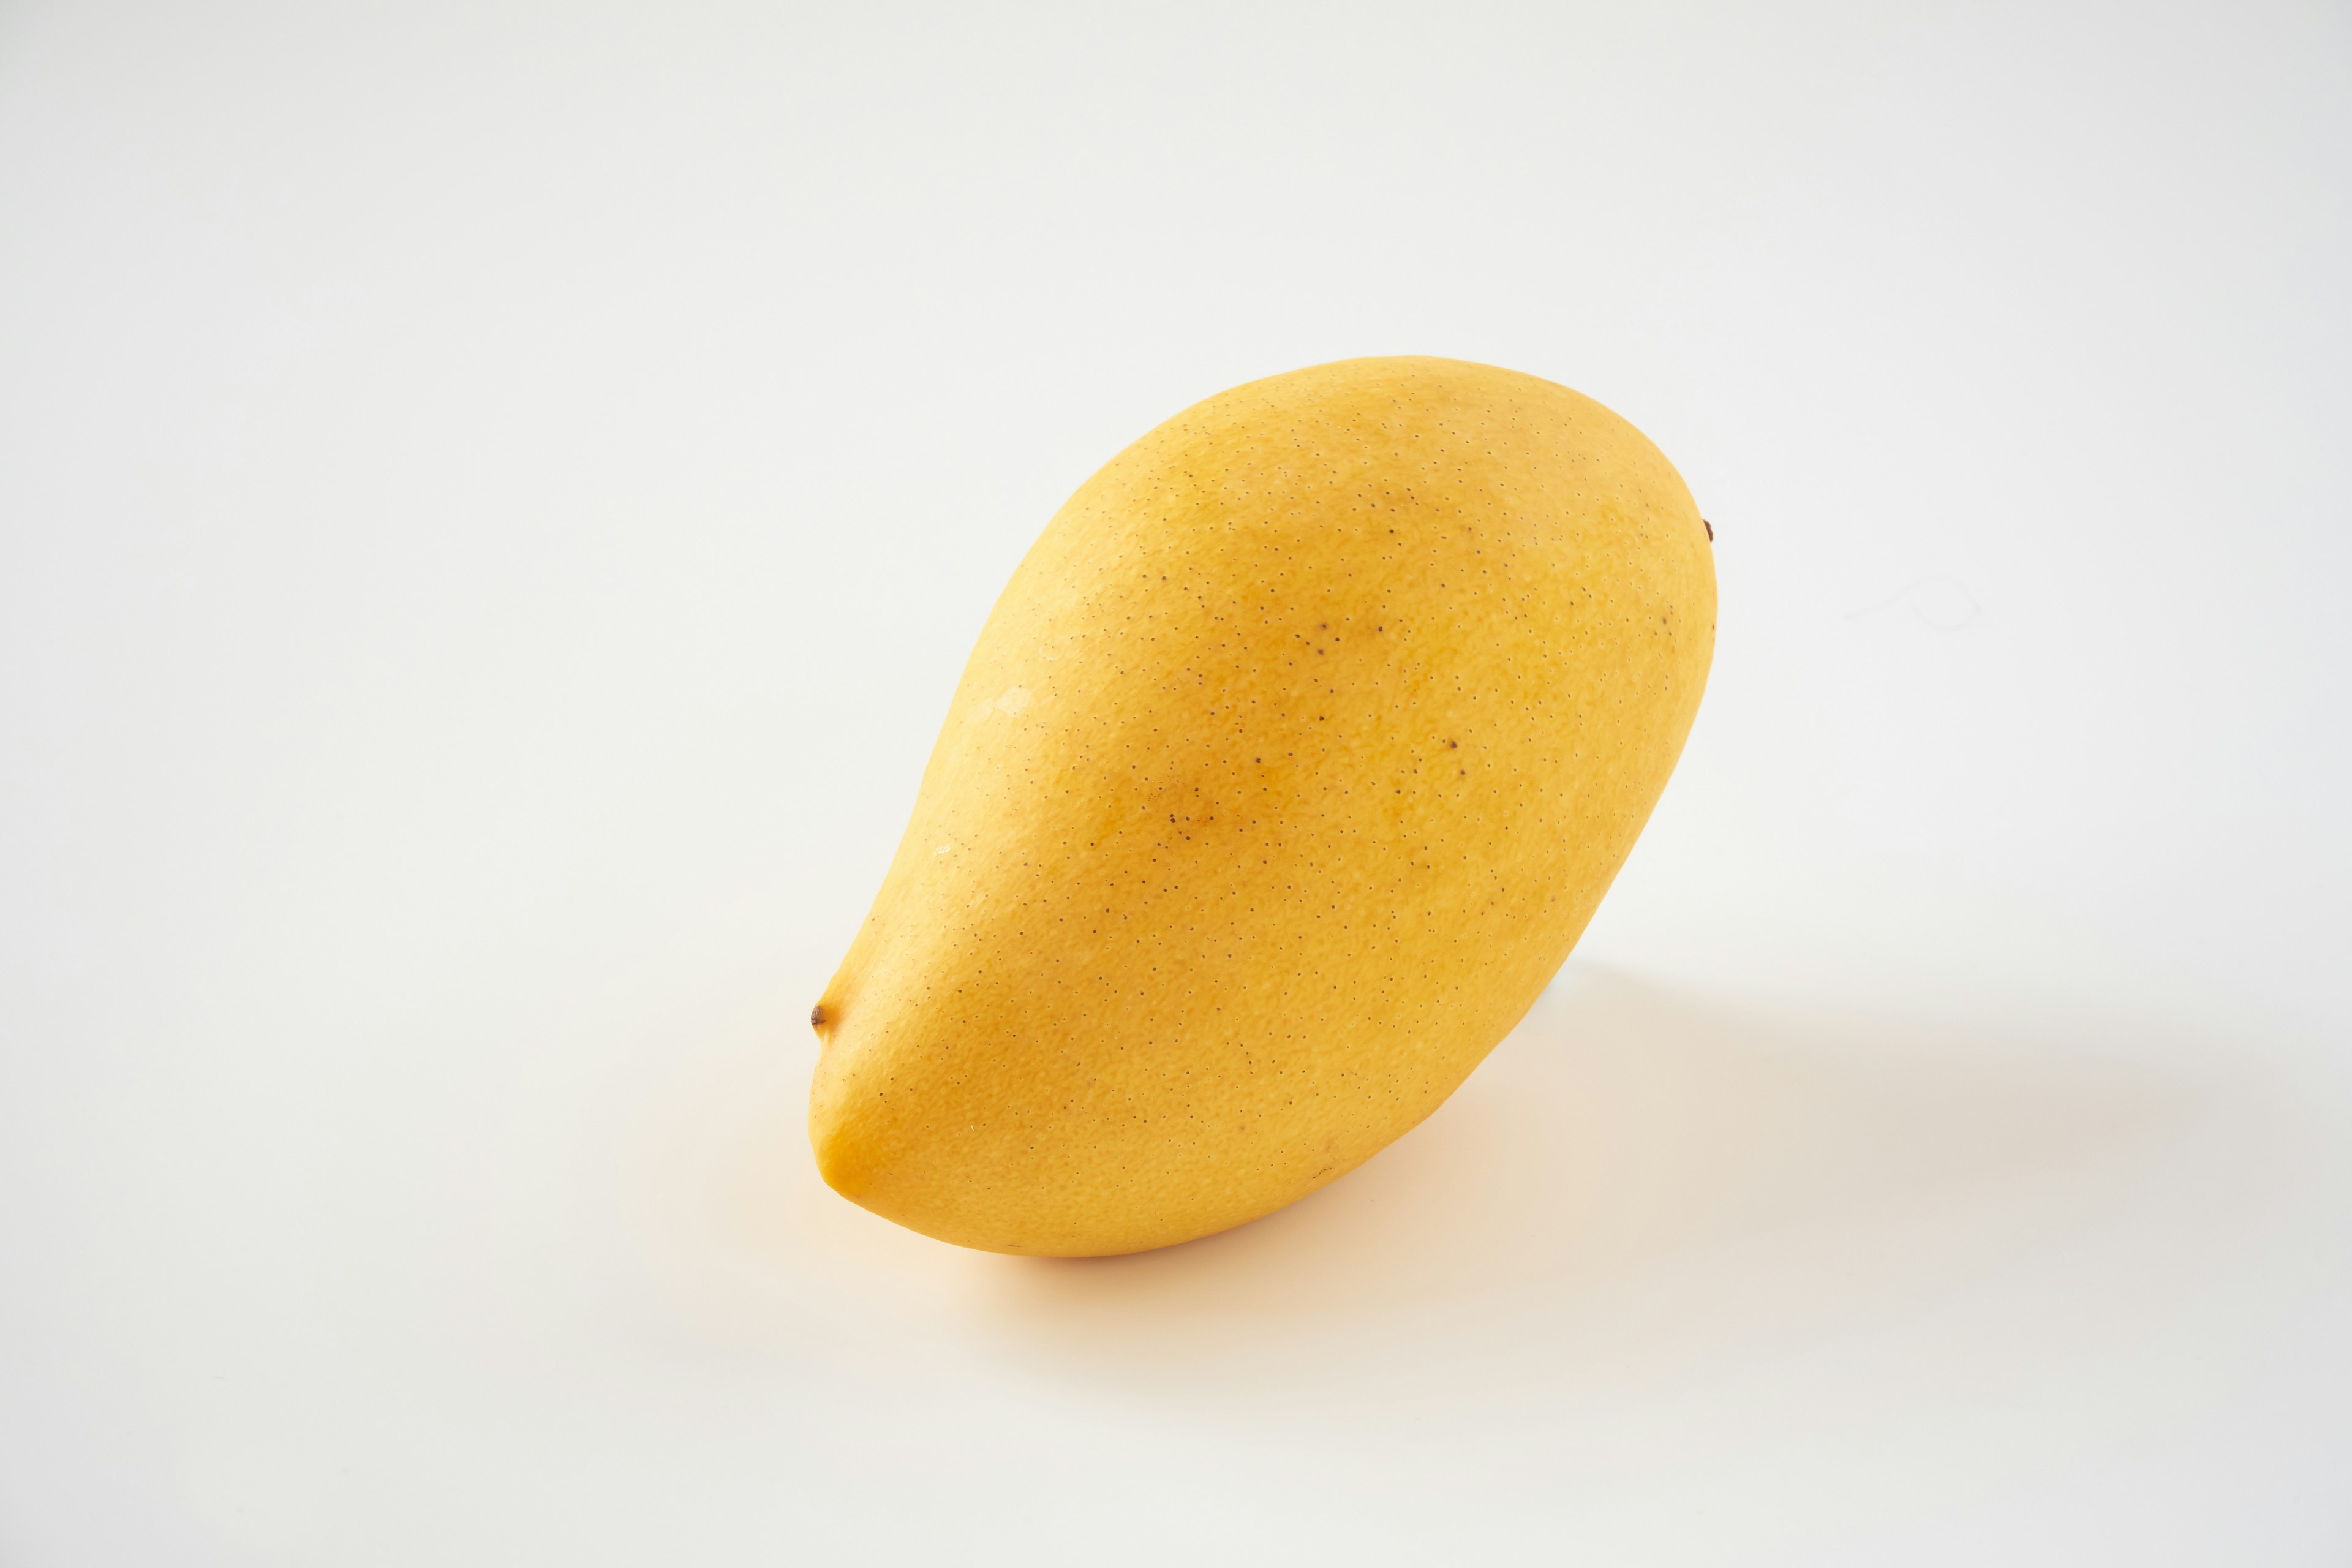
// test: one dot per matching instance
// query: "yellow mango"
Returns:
(1287, 770)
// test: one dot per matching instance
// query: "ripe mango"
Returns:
(1287, 770)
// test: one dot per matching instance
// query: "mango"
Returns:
(1287, 770)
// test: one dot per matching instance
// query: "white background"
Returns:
(494, 502)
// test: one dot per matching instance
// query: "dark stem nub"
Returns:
(817, 1016)
(1711, 529)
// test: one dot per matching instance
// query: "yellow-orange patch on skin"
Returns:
(1295, 757)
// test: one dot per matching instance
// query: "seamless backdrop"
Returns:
(494, 500)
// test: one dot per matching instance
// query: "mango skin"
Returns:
(1286, 772)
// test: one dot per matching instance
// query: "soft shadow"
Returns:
(1635, 1173)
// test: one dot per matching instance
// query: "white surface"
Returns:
(493, 502)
